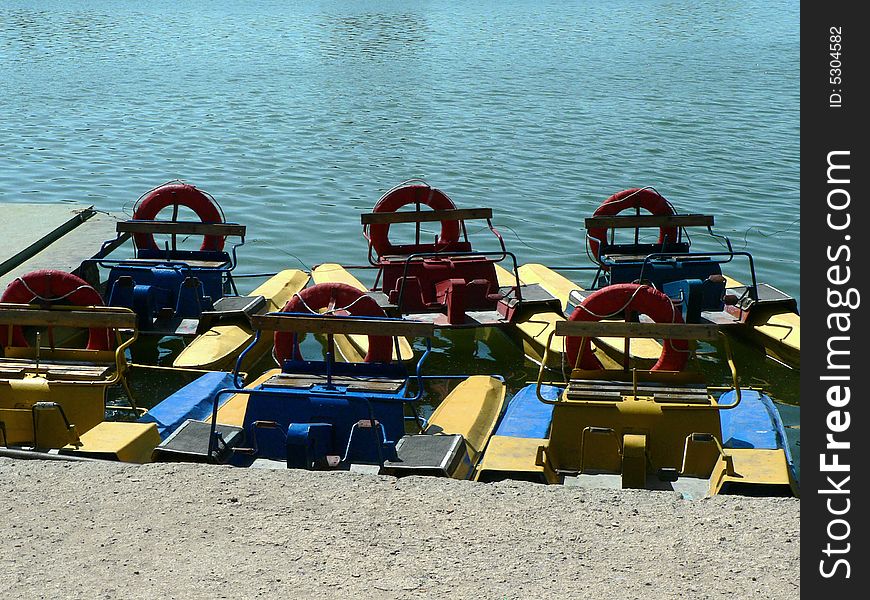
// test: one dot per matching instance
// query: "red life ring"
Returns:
(323, 295)
(180, 194)
(54, 287)
(411, 194)
(612, 300)
(645, 198)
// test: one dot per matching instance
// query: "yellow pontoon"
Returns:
(227, 330)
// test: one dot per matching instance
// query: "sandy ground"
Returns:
(104, 530)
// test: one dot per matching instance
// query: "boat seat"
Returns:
(308, 380)
(446, 254)
(616, 391)
(17, 368)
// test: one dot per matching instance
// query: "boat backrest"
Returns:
(181, 228)
(108, 317)
(637, 221)
(341, 325)
(672, 331)
(425, 216)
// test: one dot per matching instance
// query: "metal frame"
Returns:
(628, 335)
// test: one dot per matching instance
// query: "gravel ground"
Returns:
(107, 530)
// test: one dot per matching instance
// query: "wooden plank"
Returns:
(181, 228)
(582, 393)
(205, 264)
(646, 386)
(53, 370)
(61, 365)
(98, 316)
(672, 331)
(427, 216)
(679, 397)
(578, 389)
(611, 396)
(631, 221)
(342, 325)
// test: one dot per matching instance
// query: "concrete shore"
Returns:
(108, 530)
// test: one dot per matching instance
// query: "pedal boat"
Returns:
(694, 280)
(53, 399)
(353, 348)
(444, 282)
(226, 331)
(533, 328)
(329, 415)
(645, 429)
(188, 293)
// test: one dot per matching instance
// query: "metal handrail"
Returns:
(682, 406)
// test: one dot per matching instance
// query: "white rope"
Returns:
(620, 310)
(43, 299)
(330, 311)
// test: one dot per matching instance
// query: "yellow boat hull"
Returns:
(218, 348)
(778, 332)
(534, 329)
(117, 440)
(471, 410)
(232, 412)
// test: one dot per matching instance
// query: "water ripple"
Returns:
(298, 117)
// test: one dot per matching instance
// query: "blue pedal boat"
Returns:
(327, 415)
(169, 288)
(695, 280)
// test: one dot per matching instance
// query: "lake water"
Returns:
(298, 116)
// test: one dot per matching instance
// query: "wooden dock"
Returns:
(53, 236)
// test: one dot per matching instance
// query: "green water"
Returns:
(298, 116)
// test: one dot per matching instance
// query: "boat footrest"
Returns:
(240, 308)
(427, 454)
(532, 297)
(768, 296)
(189, 443)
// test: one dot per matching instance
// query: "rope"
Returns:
(273, 247)
(330, 311)
(170, 182)
(620, 310)
(766, 235)
(43, 299)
